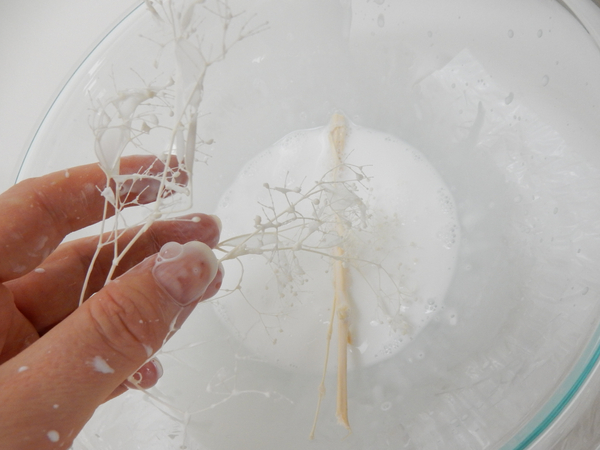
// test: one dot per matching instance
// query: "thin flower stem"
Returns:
(337, 138)
(96, 252)
(184, 100)
(321, 389)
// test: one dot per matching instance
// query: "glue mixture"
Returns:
(404, 252)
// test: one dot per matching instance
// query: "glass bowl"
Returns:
(502, 99)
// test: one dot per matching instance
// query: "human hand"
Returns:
(58, 361)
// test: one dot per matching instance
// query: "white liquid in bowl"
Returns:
(400, 252)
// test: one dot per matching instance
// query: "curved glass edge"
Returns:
(62, 89)
(564, 394)
(588, 14)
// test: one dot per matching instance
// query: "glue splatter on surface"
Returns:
(100, 365)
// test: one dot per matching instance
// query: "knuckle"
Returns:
(123, 325)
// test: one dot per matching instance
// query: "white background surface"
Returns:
(41, 44)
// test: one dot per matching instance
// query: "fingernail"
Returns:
(185, 271)
(218, 222)
(146, 376)
(159, 368)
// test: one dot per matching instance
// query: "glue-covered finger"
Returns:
(94, 350)
(149, 374)
(39, 212)
(60, 278)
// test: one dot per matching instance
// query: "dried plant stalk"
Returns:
(340, 308)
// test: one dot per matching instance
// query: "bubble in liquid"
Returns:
(452, 318)
(448, 235)
(381, 21)
(431, 306)
(545, 80)
(446, 202)
(511, 33)
(386, 406)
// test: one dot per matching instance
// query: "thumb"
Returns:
(53, 387)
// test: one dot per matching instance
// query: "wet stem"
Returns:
(181, 29)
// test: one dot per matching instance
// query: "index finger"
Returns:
(81, 361)
(36, 214)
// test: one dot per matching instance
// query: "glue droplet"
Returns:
(100, 365)
(149, 350)
(53, 435)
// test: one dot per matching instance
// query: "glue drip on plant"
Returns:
(355, 241)
(127, 121)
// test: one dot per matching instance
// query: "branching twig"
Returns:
(122, 120)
